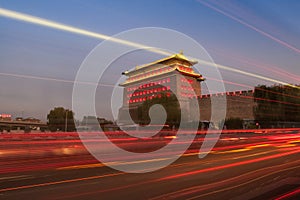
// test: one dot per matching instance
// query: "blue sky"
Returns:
(235, 33)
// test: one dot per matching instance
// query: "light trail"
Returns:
(230, 82)
(236, 94)
(270, 67)
(249, 146)
(250, 176)
(285, 44)
(111, 85)
(59, 26)
(227, 68)
(192, 173)
(55, 79)
(167, 178)
(248, 87)
(289, 195)
(61, 182)
(248, 182)
(87, 162)
(270, 100)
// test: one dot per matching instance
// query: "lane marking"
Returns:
(15, 177)
(60, 182)
(110, 163)
(233, 151)
(81, 166)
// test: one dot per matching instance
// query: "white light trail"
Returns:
(59, 26)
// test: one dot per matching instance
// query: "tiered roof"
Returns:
(147, 69)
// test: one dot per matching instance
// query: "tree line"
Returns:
(277, 103)
(61, 119)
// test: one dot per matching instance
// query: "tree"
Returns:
(277, 103)
(234, 123)
(170, 104)
(61, 119)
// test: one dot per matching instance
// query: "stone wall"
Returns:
(239, 105)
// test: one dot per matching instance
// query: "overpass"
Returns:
(24, 125)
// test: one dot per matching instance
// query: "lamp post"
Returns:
(66, 123)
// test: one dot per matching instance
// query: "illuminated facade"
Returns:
(6, 117)
(170, 76)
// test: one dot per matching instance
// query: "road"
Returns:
(258, 165)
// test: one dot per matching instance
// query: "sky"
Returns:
(38, 63)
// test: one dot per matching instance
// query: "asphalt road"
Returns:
(241, 166)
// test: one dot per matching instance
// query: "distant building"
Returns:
(31, 119)
(92, 123)
(20, 124)
(5, 117)
(19, 119)
(171, 74)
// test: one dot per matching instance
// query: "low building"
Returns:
(5, 117)
(31, 119)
